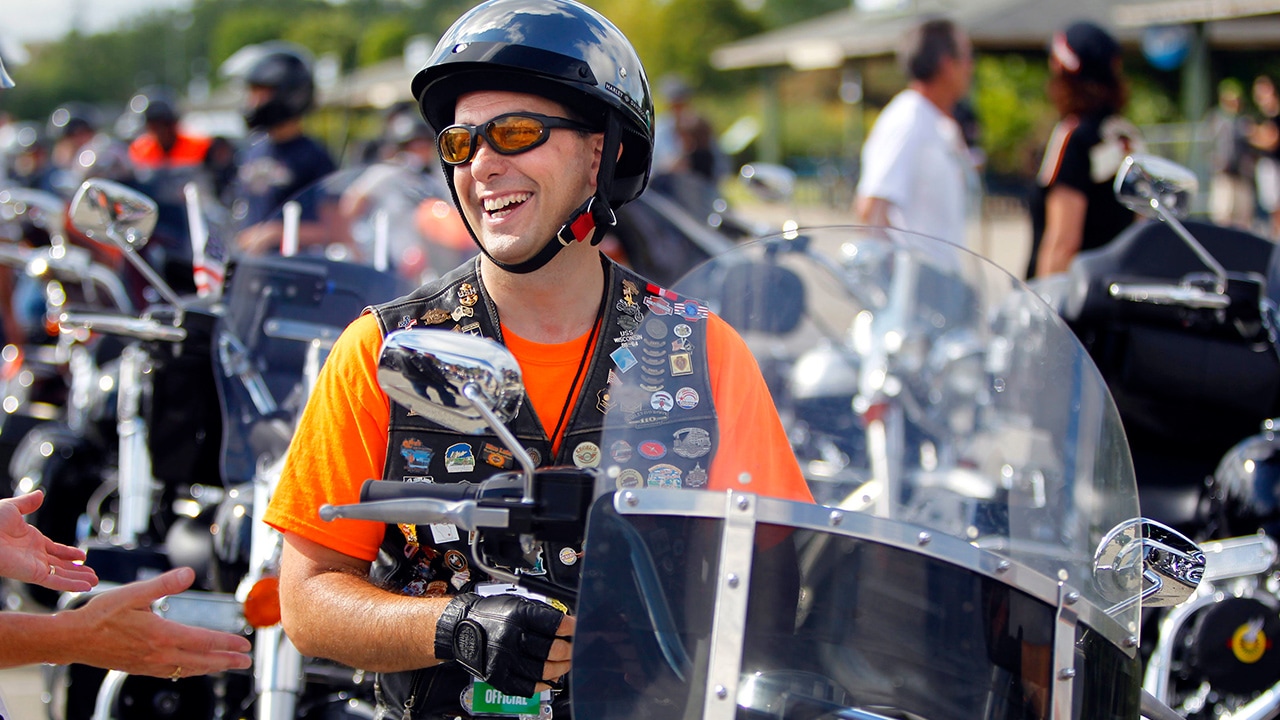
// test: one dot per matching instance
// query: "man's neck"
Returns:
(937, 95)
(554, 304)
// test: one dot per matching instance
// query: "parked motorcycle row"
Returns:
(1006, 486)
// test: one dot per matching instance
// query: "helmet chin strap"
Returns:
(594, 214)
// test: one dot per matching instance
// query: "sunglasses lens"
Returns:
(455, 145)
(515, 133)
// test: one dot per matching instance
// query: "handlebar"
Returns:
(379, 490)
(1179, 295)
(146, 329)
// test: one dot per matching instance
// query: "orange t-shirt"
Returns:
(145, 151)
(341, 439)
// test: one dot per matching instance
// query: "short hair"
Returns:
(925, 45)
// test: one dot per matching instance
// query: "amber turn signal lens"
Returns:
(262, 605)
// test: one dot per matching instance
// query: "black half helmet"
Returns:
(286, 69)
(558, 49)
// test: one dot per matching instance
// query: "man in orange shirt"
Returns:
(545, 125)
(162, 144)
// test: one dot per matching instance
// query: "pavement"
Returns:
(1002, 235)
(20, 689)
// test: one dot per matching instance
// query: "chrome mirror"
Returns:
(451, 378)
(1144, 560)
(1145, 181)
(466, 383)
(109, 212)
(1157, 188)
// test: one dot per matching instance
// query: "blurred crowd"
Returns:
(921, 167)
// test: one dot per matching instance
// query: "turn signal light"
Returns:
(262, 604)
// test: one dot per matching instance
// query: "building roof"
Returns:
(829, 40)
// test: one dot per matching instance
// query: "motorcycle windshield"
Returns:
(968, 463)
(388, 215)
(283, 311)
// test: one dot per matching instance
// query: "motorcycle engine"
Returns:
(1233, 646)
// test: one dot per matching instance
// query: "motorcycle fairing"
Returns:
(999, 468)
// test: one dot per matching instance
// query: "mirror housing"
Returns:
(108, 212)
(1157, 188)
(429, 371)
(1144, 178)
(1144, 559)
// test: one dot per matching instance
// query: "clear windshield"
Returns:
(386, 215)
(959, 424)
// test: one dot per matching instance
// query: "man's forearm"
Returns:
(343, 617)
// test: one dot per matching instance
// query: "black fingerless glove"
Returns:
(503, 640)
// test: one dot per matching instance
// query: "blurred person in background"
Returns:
(26, 156)
(165, 160)
(280, 159)
(1231, 196)
(916, 167)
(407, 175)
(1265, 138)
(1074, 207)
(683, 139)
(687, 163)
(162, 143)
(71, 127)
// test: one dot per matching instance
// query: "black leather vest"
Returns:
(648, 373)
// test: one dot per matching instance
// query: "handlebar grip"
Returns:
(373, 490)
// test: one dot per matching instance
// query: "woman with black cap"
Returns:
(1073, 207)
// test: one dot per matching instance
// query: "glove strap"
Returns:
(447, 625)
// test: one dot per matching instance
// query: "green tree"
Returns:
(1015, 117)
(246, 27)
(330, 31)
(384, 39)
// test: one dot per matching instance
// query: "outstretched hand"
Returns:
(119, 631)
(28, 556)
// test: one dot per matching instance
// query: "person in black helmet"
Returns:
(280, 159)
(544, 124)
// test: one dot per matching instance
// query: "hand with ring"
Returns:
(117, 629)
(28, 556)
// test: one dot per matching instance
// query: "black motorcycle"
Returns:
(208, 389)
(1180, 317)
(1003, 581)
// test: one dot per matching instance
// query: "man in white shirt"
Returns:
(915, 166)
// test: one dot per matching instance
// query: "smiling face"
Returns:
(517, 203)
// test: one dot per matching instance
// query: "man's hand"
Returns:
(517, 645)
(28, 556)
(118, 630)
(261, 239)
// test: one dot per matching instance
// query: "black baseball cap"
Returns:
(1087, 51)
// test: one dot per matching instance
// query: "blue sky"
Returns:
(23, 21)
